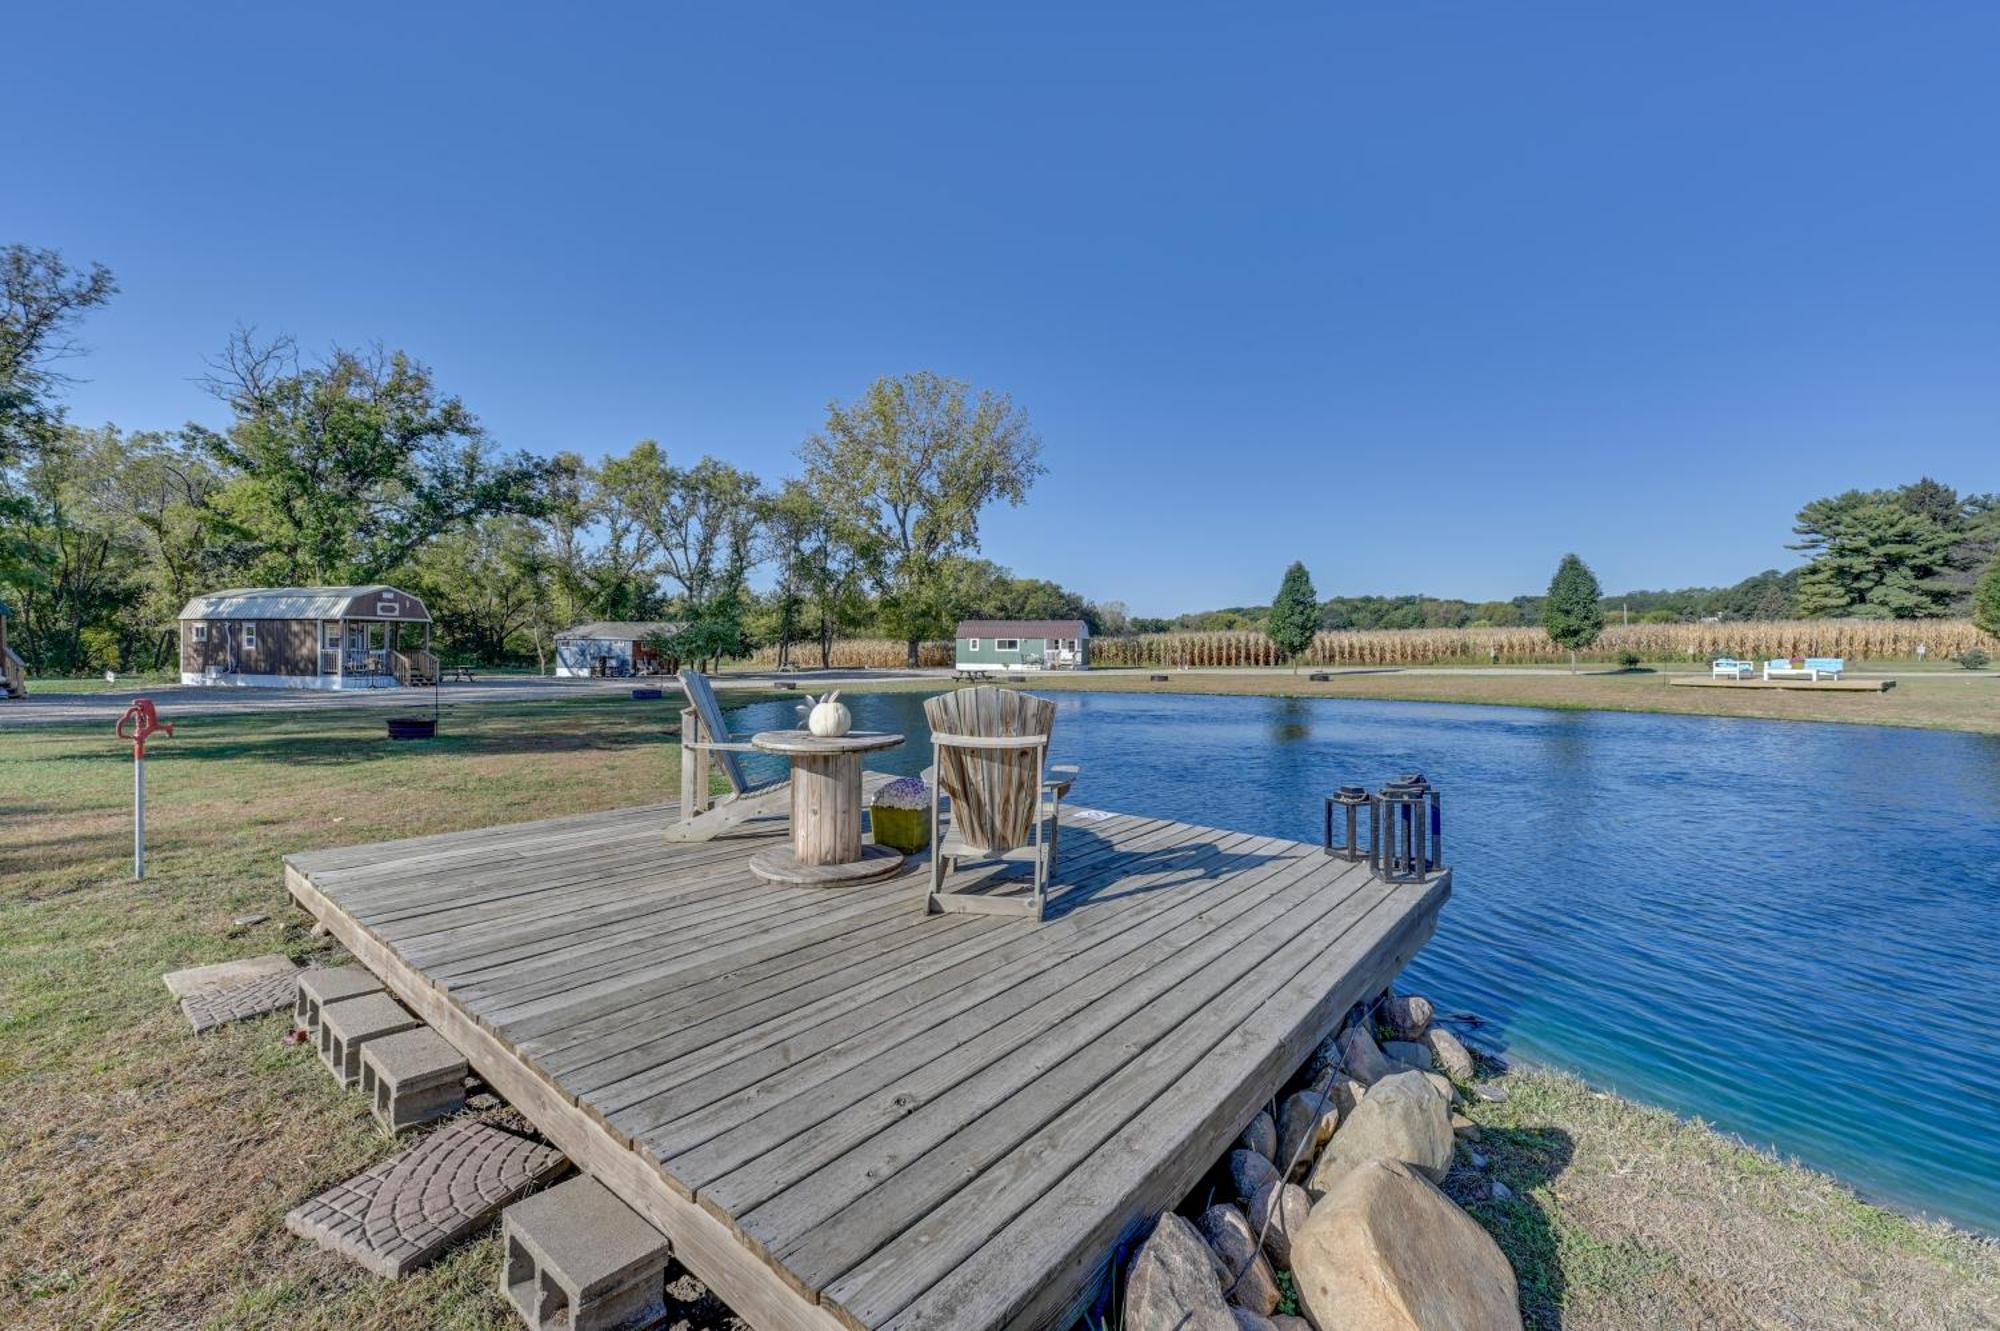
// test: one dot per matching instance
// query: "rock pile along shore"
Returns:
(1334, 1196)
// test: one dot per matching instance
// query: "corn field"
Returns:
(1855, 639)
(856, 654)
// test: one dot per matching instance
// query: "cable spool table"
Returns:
(826, 849)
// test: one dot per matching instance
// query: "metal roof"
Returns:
(1023, 628)
(622, 630)
(298, 603)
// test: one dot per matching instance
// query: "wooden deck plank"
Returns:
(1116, 1171)
(838, 1108)
(645, 1007)
(643, 1101)
(783, 1196)
(764, 1124)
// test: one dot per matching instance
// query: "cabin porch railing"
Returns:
(413, 665)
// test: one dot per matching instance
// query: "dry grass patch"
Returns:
(1627, 1217)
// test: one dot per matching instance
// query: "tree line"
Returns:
(1916, 551)
(356, 466)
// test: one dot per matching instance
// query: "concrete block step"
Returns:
(575, 1258)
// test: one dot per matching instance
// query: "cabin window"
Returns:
(974, 644)
(200, 633)
(1006, 644)
(249, 637)
(330, 636)
(387, 609)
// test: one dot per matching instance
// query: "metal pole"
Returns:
(138, 816)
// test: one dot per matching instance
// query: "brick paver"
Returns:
(208, 1008)
(405, 1211)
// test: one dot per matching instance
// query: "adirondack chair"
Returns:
(990, 746)
(705, 740)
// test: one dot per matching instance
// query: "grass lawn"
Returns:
(149, 1171)
(1936, 700)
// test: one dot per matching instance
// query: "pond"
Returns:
(1791, 930)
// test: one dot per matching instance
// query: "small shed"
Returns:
(612, 647)
(307, 638)
(1023, 644)
(13, 670)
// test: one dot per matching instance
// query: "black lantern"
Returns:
(1350, 798)
(1405, 830)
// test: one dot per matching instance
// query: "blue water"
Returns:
(1790, 930)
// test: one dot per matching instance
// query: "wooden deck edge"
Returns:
(1396, 949)
(700, 1242)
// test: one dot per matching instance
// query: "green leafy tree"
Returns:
(1986, 599)
(41, 300)
(1294, 614)
(1573, 614)
(347, 466)
(1879, 554)
(914, 461)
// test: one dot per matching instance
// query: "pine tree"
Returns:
(1294, 614)
(1573, 615)
(1986, 599)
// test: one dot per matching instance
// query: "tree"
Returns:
(1986, 599)
(1294, 614)
(348, 465)
(1573, 615)
(41, 300)
(822, 562)
(1879, 554)
(914, 461)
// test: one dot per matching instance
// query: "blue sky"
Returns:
(1421, 294)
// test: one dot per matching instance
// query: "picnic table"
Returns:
(458, 674)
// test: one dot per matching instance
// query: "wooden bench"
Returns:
(460, 674)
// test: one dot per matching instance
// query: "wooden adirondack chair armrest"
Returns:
(723, 746)
(1059, 778)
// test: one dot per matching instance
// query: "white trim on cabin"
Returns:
(222, 679)
(200, 631)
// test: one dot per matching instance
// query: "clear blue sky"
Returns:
(1424, 295)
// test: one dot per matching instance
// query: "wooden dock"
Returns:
(843, 1111)
(1806, 685)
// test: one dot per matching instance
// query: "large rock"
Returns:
(1362, 1059)
(1305, 1121)
(1408, 1018)
(1248, 1172)
(1387, 1251)
(1287, 1322)
(1249, 1321)
(1176, 1282)
(1409, 1053)
(1279, 1211)
(1261, 1136)
(1452, 1056)
(1340, 1091)
(1442, 1085)
(1402, 1118)
(1247, 1278)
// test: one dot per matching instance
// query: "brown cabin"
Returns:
(307, 638)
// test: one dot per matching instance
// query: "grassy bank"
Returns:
(1936, 700)
(1624, 1217)
(149, 1171)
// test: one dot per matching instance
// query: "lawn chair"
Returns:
(705, 739)
(989, 746)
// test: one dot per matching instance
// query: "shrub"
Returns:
(1629, 659)
(1975, 659)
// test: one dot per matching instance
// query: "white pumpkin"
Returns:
(829, 718)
